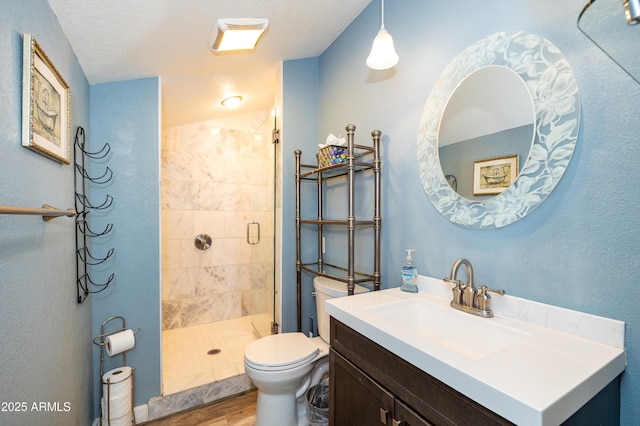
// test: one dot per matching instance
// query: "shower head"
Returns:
(632, 11)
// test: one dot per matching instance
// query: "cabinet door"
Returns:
(355, 400)
(405, 416)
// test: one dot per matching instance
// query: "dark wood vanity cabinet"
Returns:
(365, 402)
(370, 386)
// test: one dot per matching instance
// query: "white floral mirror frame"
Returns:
(554, 90)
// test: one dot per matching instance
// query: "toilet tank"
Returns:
(326, 289)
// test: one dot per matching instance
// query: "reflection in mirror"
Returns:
(489, 115)
(605, 23)
(552, 86)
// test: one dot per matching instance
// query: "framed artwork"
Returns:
(494, 175)
(45, 104)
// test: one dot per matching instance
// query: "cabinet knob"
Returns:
(383, 416)
(396, 422)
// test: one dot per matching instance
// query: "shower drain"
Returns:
(214, 351)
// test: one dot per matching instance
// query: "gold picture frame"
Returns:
(45, 104)
(494, 175)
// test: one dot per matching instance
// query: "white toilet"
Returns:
(283, 366)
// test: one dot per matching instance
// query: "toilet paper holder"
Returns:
(100, 341)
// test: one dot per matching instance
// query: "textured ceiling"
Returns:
(128, 39)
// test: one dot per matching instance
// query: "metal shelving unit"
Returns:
(359, 159)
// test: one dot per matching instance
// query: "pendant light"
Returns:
(383, 55)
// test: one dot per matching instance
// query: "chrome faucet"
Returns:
(466, 297)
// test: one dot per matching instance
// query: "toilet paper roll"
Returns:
(119, 342)
(116, 407)
(117, 390)
(117, 382)
(117, 375)
(126, 420)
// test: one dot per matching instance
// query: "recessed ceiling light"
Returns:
(237, 35)
(231, 102)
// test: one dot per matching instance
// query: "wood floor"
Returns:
(236, 411)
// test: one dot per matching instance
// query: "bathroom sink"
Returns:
(533, 364)
(468, 336)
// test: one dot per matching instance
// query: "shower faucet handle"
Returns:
(202, 242)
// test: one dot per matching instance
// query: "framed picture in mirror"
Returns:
(45, 104)
(494, 175)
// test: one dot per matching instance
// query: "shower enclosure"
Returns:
(218, 246)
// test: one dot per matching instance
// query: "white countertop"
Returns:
(566, 358)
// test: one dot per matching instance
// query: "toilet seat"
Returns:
(280, 352)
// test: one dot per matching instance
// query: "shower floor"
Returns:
(186, 362)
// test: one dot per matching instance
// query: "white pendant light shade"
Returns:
(383, 53)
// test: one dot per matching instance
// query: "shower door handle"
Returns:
(253, 243)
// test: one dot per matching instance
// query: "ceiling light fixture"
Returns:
(232, 102)
(383, 55)
(237, 35)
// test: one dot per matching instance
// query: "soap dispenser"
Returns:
(409, 274)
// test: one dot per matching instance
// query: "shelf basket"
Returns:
(332, 154)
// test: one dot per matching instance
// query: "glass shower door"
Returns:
(261, 236)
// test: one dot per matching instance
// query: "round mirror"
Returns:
(486, 128)
(513, 181)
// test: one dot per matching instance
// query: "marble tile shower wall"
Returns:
(216, 178)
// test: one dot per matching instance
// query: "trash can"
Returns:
(318, 404)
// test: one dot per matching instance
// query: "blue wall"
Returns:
(577, 250)
(46, 336)
(300, 125)
(127, 116)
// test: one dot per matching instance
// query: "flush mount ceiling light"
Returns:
(383, 55)
(231, 102)
(237, 35)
